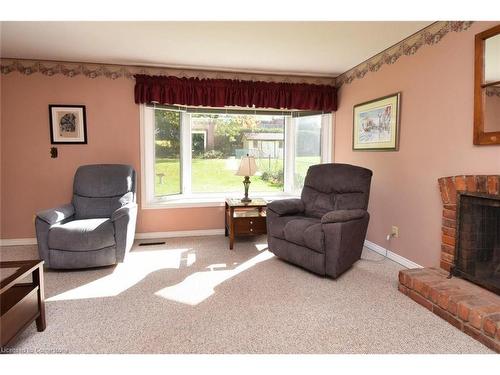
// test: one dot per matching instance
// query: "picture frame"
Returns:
(376, 124)
(68, 124)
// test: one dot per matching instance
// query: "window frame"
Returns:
(189, 199)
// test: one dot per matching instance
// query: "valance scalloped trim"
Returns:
(241, 93)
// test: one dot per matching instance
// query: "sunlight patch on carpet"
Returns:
(200, 285)
(261, 246)
(136, 267)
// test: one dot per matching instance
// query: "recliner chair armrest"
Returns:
(56, 215)
(124, 210)
(124, 220)
(340, 216)
(286, 206)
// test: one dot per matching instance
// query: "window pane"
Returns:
(167, 152)
(307, 147)
(220, 140)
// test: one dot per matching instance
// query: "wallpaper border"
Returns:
(95, 70)
(493, 91)
(430, 35)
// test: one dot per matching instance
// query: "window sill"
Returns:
(205, 201)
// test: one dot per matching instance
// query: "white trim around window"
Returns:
(189, 199)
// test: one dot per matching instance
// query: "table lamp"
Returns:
(247, 168)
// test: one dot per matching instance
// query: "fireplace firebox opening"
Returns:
(478, 239)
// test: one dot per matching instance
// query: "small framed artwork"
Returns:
(68, 124)
(376, 124)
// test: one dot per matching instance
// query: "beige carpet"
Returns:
(193, 295)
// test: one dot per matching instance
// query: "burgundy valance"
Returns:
(227, 92)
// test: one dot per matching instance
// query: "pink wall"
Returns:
(436, 140)
(32, 181)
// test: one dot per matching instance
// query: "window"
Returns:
(167, 151)
(229, 137)
(307, 147)
(191, 154)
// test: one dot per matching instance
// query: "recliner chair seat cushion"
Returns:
(306, 232)
(82, 235)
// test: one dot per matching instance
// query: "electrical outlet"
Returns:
(395, 231)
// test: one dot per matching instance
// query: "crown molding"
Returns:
(430, 35)
(51, 68)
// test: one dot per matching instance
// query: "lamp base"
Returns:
(246, 184)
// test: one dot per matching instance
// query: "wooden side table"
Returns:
(244, 219)
(21, 303)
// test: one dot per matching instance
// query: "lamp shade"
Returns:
(248, 167)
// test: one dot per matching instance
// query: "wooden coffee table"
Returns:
(21, 302)
(244, 219)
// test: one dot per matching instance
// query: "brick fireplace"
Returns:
(467, 306)
(449, 186)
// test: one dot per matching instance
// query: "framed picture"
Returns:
(376, 124)
(67, 124)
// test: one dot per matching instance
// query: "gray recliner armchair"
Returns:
(98, 227)
(324, 230)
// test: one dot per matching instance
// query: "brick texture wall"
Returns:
(466, 306)
(449, 187)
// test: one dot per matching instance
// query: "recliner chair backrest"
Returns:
(329, 187)
(100, 189)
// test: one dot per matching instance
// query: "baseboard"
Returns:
(214, 232)
(179, 233)
(391, 255)
(138, 236)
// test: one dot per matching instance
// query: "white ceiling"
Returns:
(311, 48)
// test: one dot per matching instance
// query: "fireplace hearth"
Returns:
(478, 239)
(470, 242)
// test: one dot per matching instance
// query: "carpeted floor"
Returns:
(193, 295)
